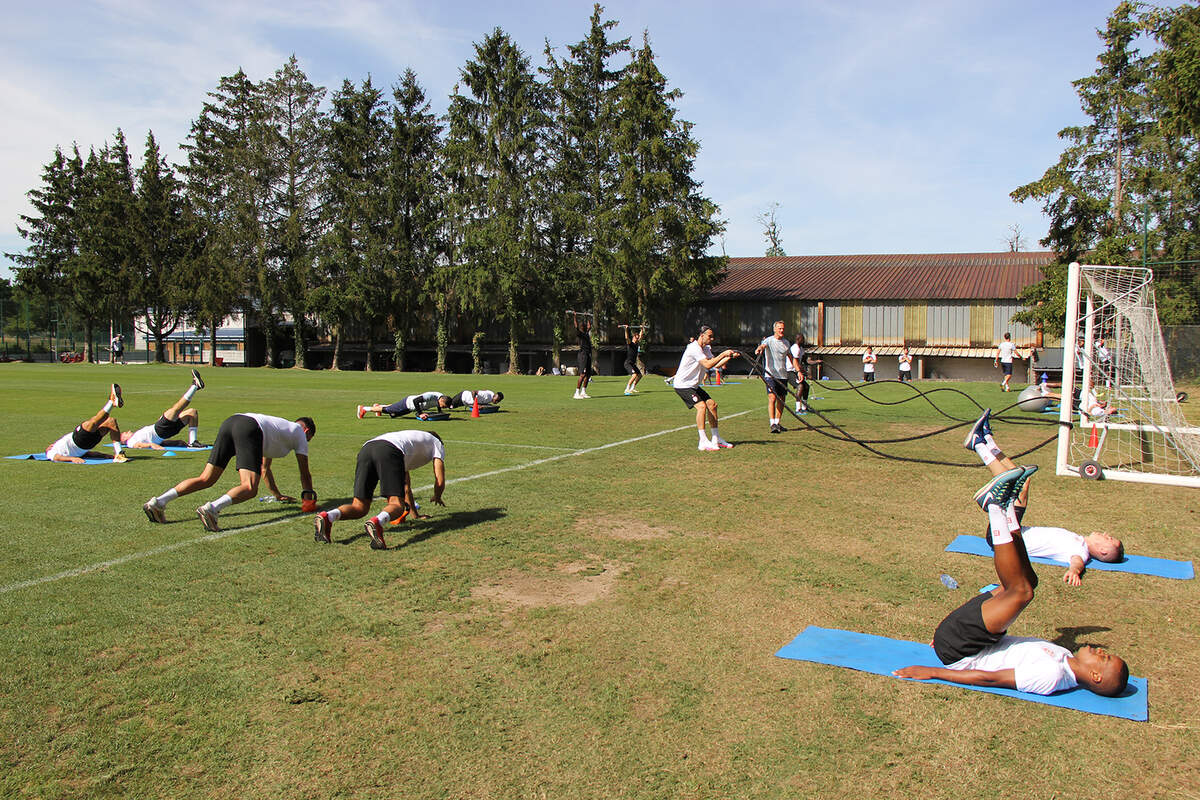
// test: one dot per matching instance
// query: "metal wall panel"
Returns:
(915, 324)
(981, 324)
(1022, 335)
(807, 323)
(833, 324)
(852, 323)
(883, 324)
(948, 324)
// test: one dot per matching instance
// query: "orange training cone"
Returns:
(475, 407)
(718, 377)
(1094, 439)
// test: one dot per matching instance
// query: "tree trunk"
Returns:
(514, 364)
(160, 354)
(269, 335)
(476, 359)
(298, 334)
(91, 350)
(443, 337)
(337, 348)
(212, 340)
(556, 343)
(370, 346)
(399, 346)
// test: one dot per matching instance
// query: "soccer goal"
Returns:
(1126, 424)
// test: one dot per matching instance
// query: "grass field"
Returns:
(593, 615)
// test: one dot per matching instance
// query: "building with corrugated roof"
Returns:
(951, 309)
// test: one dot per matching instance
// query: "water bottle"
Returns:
(267, 499)
(948, 582)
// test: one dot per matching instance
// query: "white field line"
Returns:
(212, 537)
(508, 444)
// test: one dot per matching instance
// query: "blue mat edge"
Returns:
(1133, 564)
(1133, 707)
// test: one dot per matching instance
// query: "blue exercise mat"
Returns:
(881, 656)
(165, 449)
(42, 457)
(1141, 565)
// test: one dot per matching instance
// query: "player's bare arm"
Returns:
(1004, 678)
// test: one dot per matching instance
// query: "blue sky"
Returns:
(878, 127)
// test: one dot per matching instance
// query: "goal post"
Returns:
(1120, 418)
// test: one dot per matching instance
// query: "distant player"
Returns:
(868, 361)
(116, 351)
(776, 360)
(422, 404)
(584, 332)
(486, 397)
(1058, 544)
(696, 359)
(76, 445)
(904, 365)
(973, 643)
(172, 421)
(387, 461)
(631, 360)
(1005, 352)
(254, 440)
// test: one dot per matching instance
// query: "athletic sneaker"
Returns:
(197, 443)
(118, 401)
(979, 430)
(1026, 473)
(208, 517)
(120, 458)
(781, 429)
(708, 447)
(721, 443)
(627, 393)
(322, 527)
(155, 512)
(375, 531)
(576, 397)
(585, 395)
(361, 411)
(197, 381)
(998, 489)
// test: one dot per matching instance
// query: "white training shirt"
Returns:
(485, 396)
(427, 396)
(1007, 349)
(869, 362)
(65, 447)
(144, 435)
(1058, 544)
(690, 369)
(280, 436)
(1039, 667)
(905, 362)
(775, 361)
(795, 351)
(419, 447)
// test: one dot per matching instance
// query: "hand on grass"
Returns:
(285, 498)
(1071, 578)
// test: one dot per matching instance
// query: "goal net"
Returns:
(1127, 421)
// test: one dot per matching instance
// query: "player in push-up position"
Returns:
(172, 421)
(76, 445)
(1058, 544)
(973, 643)
(387, 461)
(254, 440)
(422, 404)
(466, 397)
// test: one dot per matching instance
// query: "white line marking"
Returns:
(212, 537)
(507, 444)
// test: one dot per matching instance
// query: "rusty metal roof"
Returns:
(935, 276)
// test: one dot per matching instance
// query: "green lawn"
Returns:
(593, 615)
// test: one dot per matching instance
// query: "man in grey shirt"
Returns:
(775, 368)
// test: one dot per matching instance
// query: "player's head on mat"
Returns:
(125, 436)
(1099, 671)
(499, 396)
(310, 427)
(443, 402)
(1104, 547)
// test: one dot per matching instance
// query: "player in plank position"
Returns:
(697, 358)
(387, 461)
(76, 445)
(1058, 544)
(424, 403)
(467, 398)
(973, 643)
(172, 421)
(255, 440)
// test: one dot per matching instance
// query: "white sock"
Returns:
(191, 392)
(999, 524)
(192, 435)
(1010, 514)
(117, 447)
(334, 514)
(716, 435)
(985, 453)
(108, 406)
(166, 497)
(703, 437)
(384, 517)
(987, 438)
(224, 501)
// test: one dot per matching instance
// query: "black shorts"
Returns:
(906, 375)
(1006, 368)
(87, 439)
(166, 428)
(963, 633)
(379, 464)
(776, 386)
(869, 377)
(585, 363)
(396, 409)
(631, 368)
(793, 380)
(239, 435)
(692, 396)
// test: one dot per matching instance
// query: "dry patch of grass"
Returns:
(627, 529)
(575, 584)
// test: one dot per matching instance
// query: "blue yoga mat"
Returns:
(42, 457)
(1142, 565)
(881, 655)
(166, 450)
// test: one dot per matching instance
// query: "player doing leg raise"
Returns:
(75, 446)
(172, 421)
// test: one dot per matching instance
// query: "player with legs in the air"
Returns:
(75, 446)
(973, 643)
(254, 440)
(422, 404)
(1041, 541)
(631, 358)
(777, 361)
(172, 421)
(697, 358)
(387, 461)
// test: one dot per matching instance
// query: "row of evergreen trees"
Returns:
(1126, 189)
(566, 186)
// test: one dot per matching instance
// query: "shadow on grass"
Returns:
(428, 528)
(1069, 637)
